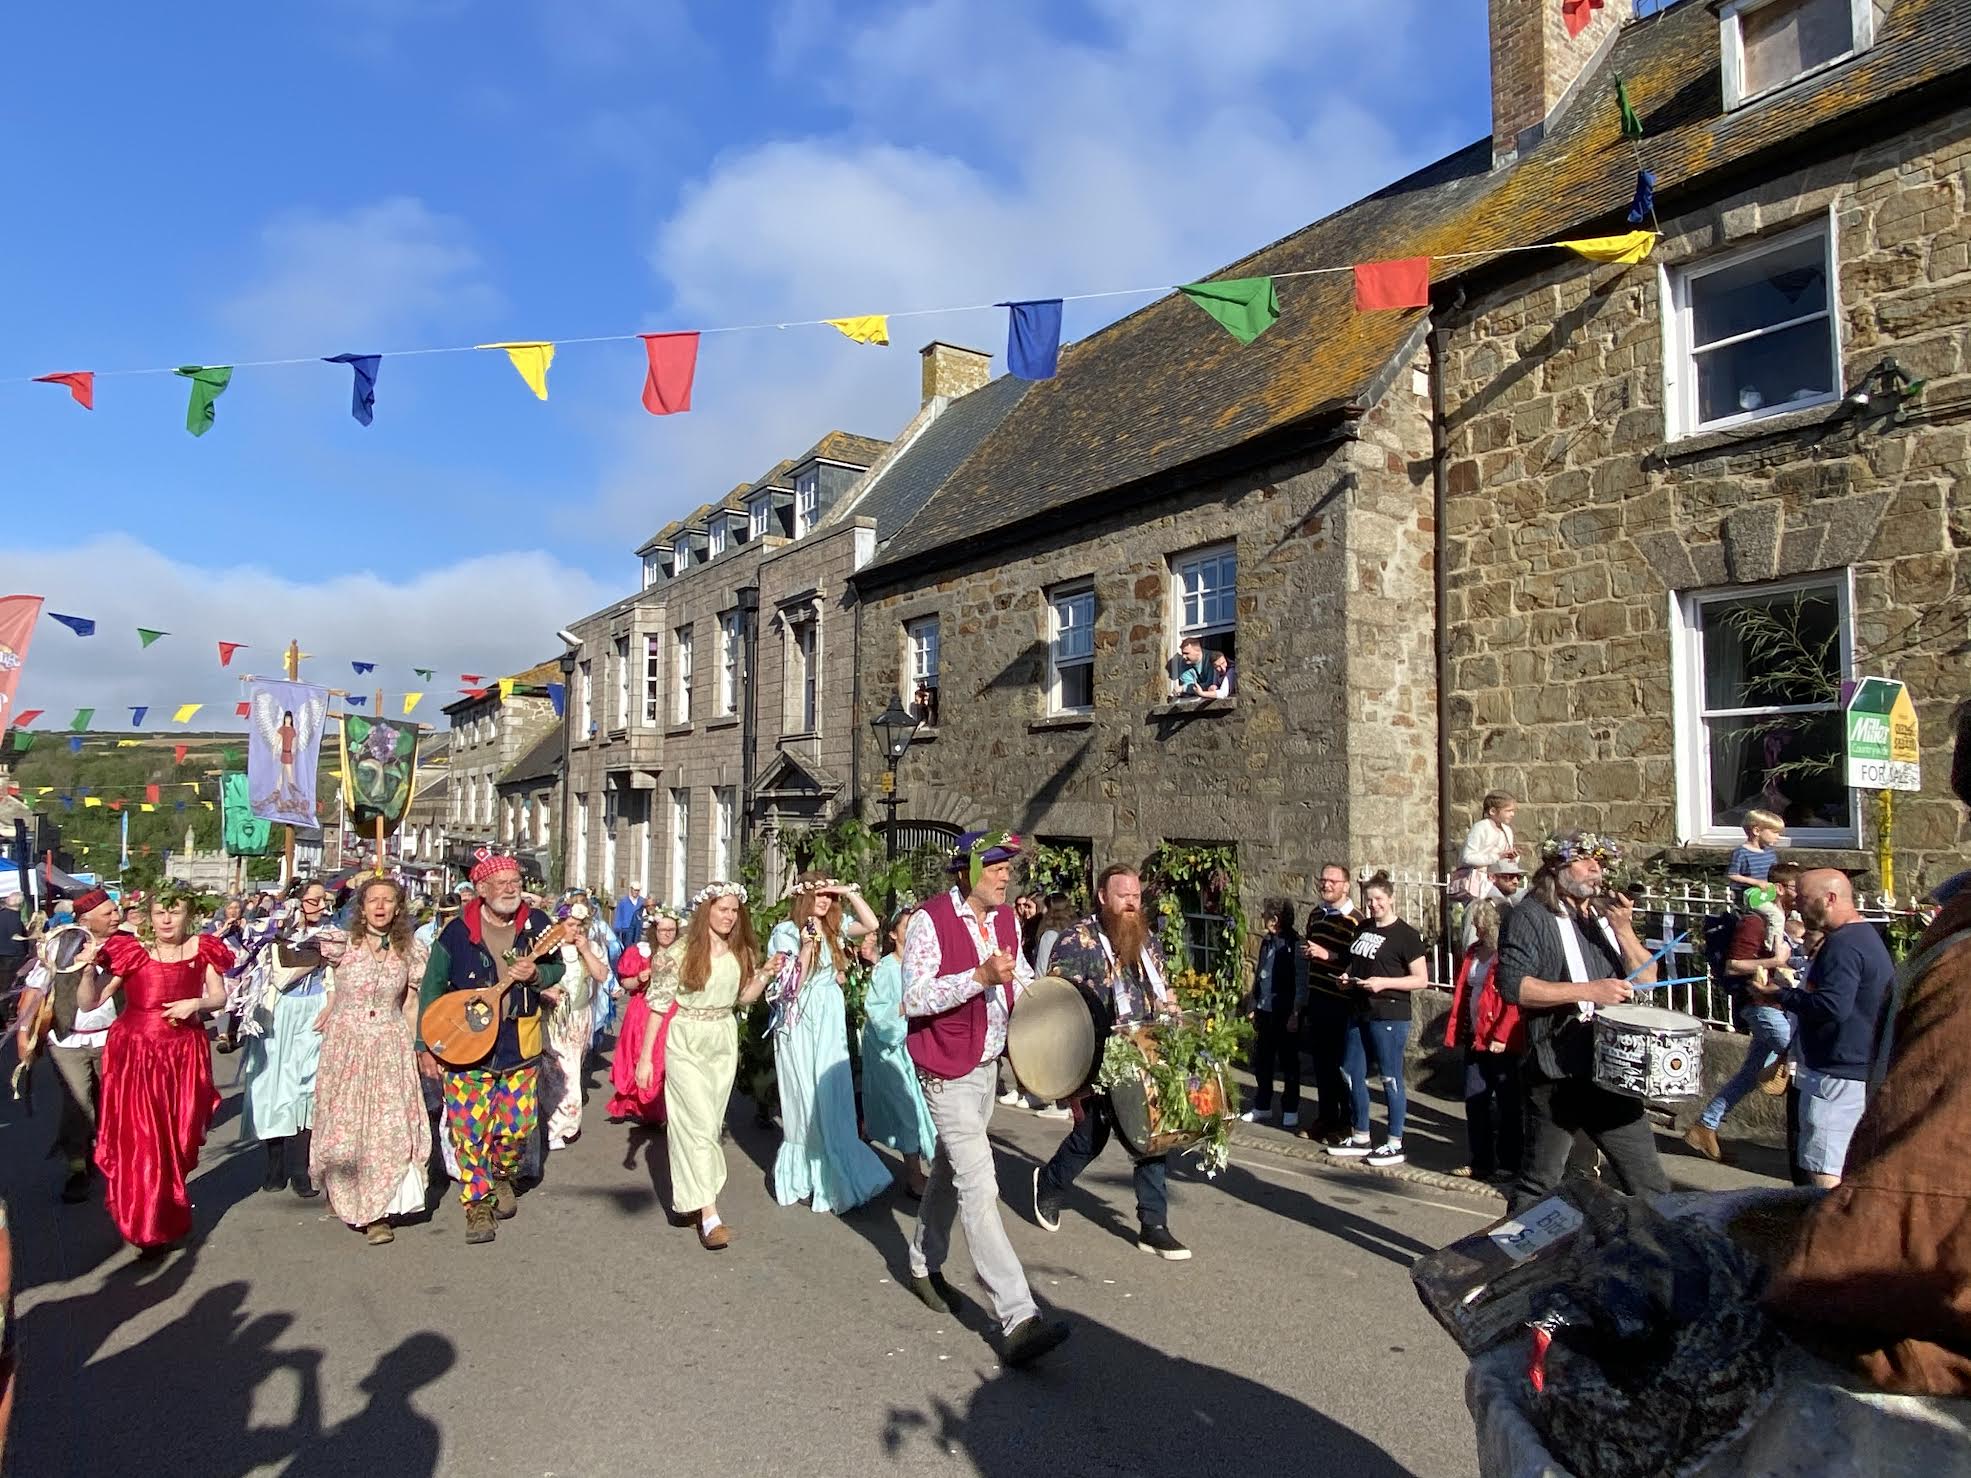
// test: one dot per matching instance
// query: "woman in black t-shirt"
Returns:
(1385, 964)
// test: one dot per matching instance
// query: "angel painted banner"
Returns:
(283, 747)
(379, 767)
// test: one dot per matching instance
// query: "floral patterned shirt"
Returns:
(927, 993)
(1083, 955)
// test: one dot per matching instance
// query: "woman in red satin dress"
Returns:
(157, 1098)
(643, 1105)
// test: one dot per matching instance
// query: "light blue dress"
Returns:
(821, 1157)
(892, 1099)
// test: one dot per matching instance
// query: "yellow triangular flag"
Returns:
(506, 688)
(185, 712)
(410, 701)
(145, 806)
(1628, 249)
(126, 744)
(206, 804)
(92, 800)
(869, 328)
(44, 789)
(532, 360)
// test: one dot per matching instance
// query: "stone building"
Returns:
(492, 730)
(529, 795)
(716, 707)
(1552, 533)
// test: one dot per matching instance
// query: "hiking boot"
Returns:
(479, 1221)
(934, 1293)
(1046, 1202)
(1704, 1139)
(276, 1178)
(1165, 1246)
(1031, 1338)
(505, 1202)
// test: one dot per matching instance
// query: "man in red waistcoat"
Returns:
(962, 971)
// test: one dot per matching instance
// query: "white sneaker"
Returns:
(1289, 1120)
(1052, 1111)
(1252, 1116)
(1012, 1098)
(1389, 1152)
(1355, 1147)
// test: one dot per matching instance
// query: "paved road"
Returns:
(593, 1339)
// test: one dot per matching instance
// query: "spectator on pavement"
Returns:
(1275, 989)
(1325, 1013)
(1752, 864)
(1056, 918)
(628, 918)
(1501, 885)
(1493, 1040)
(1385, 968)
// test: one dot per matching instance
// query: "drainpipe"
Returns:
(1440, 454)
(749, 623)
(855, 717)
(567, 758)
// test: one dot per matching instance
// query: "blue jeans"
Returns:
(1772, 1030)
(1385, 1041)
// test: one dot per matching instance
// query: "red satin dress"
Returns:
(629, 1101)
(157, 1099)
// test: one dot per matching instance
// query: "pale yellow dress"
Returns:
(701, 1058)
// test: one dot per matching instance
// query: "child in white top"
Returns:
(1490, 839)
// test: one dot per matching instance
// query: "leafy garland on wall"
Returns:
(1057, 869)
(1208, 872)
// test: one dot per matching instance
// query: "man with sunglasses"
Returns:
(1324, 1011)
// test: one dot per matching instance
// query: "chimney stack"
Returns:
(1535, 63)
(951, 370)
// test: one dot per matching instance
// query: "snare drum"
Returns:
(1650, 1053)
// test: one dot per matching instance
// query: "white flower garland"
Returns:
(717, 890)
(815, 885)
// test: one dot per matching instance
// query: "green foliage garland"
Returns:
(1056, 869)
(1207, 872)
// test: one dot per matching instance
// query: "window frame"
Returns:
(1177, 564)
(1690, 718)
(680, 844)
(807, 502)
(725, 829)
(759, 515)
(653, 679)
(585, 710)
(1680, 355)
(681, 645)
(1731, 48)
(729, 634)
(620, 654)
(916, 672)
(1066, 593)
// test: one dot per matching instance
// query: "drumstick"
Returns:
(1659, 984)
(1656, 959)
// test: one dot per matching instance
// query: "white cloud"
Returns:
(359, 278)
(490, 615)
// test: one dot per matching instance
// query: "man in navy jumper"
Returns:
(1840, 1011)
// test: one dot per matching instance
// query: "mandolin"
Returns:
(459, 1027)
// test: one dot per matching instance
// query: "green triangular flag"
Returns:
(81, 719)
(1632, 126)
(1245, 306)
(229, 757)
(147, 636)
(427, 673)
(24, 740)
(208, 384)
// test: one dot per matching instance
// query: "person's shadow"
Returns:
(1106, 1403)
(388, 1435)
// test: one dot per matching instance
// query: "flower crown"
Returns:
(815, 885)
(718, 890)
(1579, 844)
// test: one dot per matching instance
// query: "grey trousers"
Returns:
(79, 1074)
(964, 1183)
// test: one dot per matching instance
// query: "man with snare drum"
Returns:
(1565, 949)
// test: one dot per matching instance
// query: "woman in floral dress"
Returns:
(372, 1136)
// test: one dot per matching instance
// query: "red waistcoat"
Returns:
(952, 1043)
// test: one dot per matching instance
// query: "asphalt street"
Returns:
(594, 1339)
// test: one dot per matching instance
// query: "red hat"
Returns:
(94, 898)
(487, 863)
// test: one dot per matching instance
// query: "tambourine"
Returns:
(62, 946)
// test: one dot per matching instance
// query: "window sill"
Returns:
(1841, 855)
(1779, 424)
(925, 735)
(1194, 707)
(1062, 721)
(805, 736)
(677, 729)
(730, 721)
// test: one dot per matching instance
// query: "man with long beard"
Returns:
(1110, 956)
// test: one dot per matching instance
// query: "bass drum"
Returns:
(1053, 1039)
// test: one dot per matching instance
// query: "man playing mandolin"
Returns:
(491, 1101)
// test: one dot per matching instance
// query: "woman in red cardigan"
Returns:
(1493, 1039)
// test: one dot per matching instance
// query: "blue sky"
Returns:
(240, 181)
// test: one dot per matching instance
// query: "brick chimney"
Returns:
(1535, 63)
(951, 370)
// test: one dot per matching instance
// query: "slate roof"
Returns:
(846, 446)
(1165, 389)
(896, 492)
(542, 762)
(836, 446)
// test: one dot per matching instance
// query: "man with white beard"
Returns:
(1111, 956)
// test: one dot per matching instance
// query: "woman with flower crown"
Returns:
(718, 971)
(822, 1158)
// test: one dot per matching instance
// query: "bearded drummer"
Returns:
(1111, 957)
(1568, 947)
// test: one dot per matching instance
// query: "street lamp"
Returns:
(895, 726)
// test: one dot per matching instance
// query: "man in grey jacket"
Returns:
(1566, 949)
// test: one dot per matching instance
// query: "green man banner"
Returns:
(246, 835)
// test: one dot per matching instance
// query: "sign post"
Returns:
(1883, 756)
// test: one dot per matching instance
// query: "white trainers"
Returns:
(1289, 1120)
(1355, 1147)
(1389, 1152)
(1254, 1116)
(1052, 1111)
(1012, 1098)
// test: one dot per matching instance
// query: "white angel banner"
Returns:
(283, 748)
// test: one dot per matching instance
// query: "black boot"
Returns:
(276, 1166)
(303, 1186)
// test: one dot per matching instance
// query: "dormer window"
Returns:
(1768, 44)
(718, 537)
(758, 513)
(807, 501)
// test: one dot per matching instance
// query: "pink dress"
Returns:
(640, 1018)
(372, 1136)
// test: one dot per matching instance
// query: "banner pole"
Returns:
(292, 663)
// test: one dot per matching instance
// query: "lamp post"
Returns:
(895, 727)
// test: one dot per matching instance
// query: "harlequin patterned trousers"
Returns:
(489, 1117)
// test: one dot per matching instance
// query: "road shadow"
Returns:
(1325, 1213)
(389, 1435)
(1106, 1403)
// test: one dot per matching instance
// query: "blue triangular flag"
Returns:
(558, 696)
(363, 666)
(362, 399)
(354, 700)
(83, 790)
(75, 745)
(1033, 338)
(68, 802)
(177, 805)
(1645, 202)
(137, 717)
(80, 625)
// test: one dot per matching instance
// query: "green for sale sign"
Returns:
(1882, 744)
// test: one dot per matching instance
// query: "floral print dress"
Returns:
(372, 1136)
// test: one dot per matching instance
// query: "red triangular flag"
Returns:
(239, 710)
(81, 384)
(470, 677)
(1399, 284)
(673, 362)
(1577, 14)
(26, 717)
(226, 650)
(150, 794)
(116, 805)
(178, 754)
